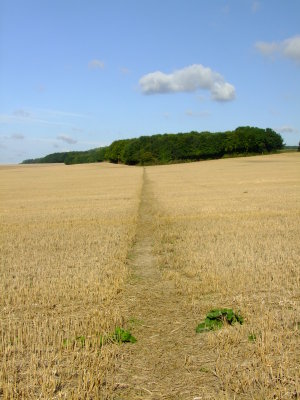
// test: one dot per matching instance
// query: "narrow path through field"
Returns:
(167, 361)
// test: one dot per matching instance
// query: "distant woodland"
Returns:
(172, 148)
(71, 157)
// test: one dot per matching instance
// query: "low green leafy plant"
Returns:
(216, 318)
(120, 335)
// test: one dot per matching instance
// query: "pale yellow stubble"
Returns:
(228, 236)
(65, 235)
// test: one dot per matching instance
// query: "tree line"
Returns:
(180, 147)
(193, 146)
(71, 157)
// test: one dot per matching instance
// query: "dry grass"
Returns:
(228, 236)
(65, 237)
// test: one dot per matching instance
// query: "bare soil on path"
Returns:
(167, 361)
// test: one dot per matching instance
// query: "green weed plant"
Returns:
(216, 318)
(119, 336)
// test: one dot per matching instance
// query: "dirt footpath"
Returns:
(167, 361)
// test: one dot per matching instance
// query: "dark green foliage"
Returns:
(180, 147)
(71, 157)
(216, 318)
(120, 335)
(115, 152)
(193, 146)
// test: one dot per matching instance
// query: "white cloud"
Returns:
(287, 129)
(188, 79)
(223, 91)
(289, 48)
(66, 139)
(96, 64)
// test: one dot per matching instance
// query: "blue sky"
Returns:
(75, 75)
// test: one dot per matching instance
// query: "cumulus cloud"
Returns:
(17, 136)
(222, 91)
(188, 79)
(287, 129)
(66, 139)
(289, 48)
(96, 64)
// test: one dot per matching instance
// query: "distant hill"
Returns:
(171, 148)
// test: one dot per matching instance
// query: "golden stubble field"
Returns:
(65, 237)
(228, 234)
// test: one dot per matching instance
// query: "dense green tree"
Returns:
(161, 149)
(180, 147)
(71, 157)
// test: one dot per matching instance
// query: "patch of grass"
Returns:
(70, 343)
(121, 335)
(81, 340)
(252, 337)
(216, 318)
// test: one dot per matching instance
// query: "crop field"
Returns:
(65, 237)
(229, 236)
(88, 248)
